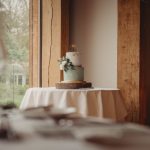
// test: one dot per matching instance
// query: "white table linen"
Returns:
(98, 102)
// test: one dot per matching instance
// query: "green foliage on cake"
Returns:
(71, 65)
(65, 64)
(77, 74)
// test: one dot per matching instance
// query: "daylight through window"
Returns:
(14, 32)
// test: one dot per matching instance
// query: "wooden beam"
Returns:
(128, 54)
(33, 46)
(51, 42)
(54, 38)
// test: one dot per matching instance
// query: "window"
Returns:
(14, 33)
(31, 62)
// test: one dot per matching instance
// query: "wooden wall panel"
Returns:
(51, 42)
(128, 54)
(54, 39)
(33, 38)
(46, 39)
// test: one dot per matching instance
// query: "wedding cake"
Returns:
(76, 74)
(73, 71)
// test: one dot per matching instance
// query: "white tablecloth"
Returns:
(97, 102)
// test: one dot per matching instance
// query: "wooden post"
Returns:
(54, 39)
(33, 47)
(128, 54)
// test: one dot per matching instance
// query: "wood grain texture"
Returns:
(33, 46)
(51, 42)
(73, 85)
(128, 54)
(55, 39)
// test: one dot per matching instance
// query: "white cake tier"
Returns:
(74, 58)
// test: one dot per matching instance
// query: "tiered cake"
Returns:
(77, 73)
(73, 72)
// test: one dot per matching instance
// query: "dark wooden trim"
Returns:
(64, 26)
(65, 4)
(145, 63)
(142, 102)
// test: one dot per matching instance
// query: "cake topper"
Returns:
(73, 48)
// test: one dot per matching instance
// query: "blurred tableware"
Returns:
(44, 112)
(100, 135)
(36, 113)
(61, 112)
(54, 131)
(45, 108)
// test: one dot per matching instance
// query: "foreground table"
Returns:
(45, 134)
(98, 102)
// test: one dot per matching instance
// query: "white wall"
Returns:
(93, 29)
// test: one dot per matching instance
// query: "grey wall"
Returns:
(93, 28)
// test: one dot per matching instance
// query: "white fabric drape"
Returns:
(97, 102)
